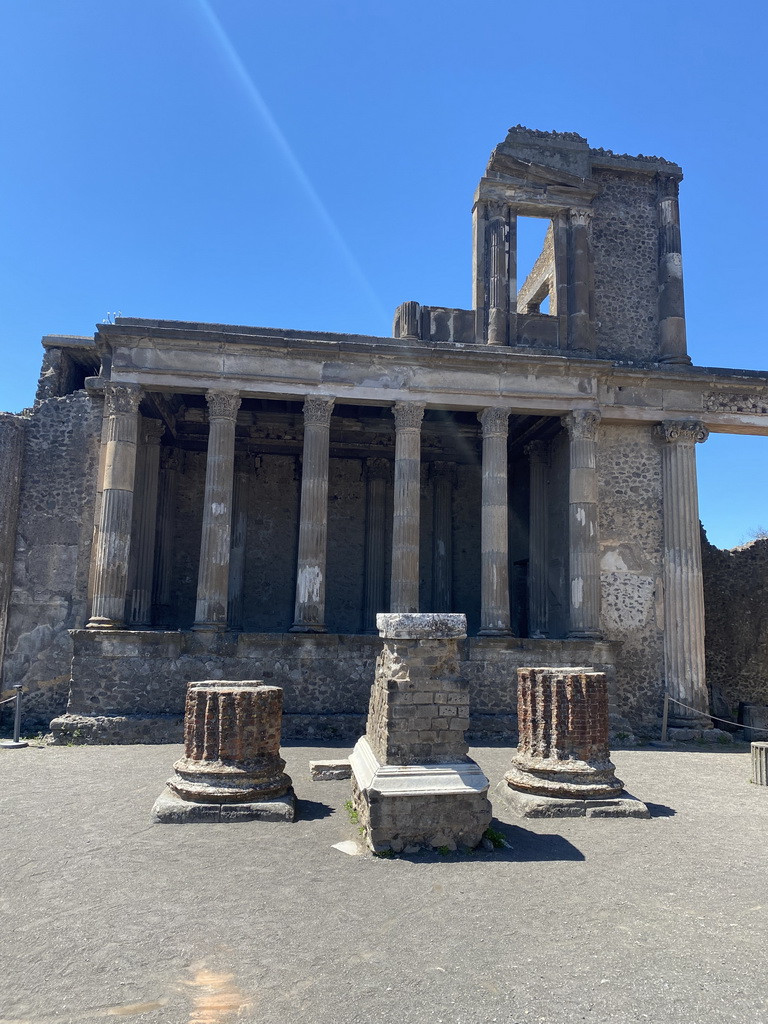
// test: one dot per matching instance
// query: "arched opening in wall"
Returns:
(535, 266)
(733, 507)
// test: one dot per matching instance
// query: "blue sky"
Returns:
(312, 165)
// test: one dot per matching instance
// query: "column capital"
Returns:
(377, 469)
(497, 209)
(538, 451)
(682, 432)
(408, 415)
(318, 409)
(581, 216)
(494, 420)
(668, 186)
(122, 397)
(152, 431)
(222, 404)
(582, 424)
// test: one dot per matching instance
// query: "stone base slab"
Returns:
(680, 735)
(74, 728)
(529, 805)
(426, 805)
(329, 770)
(171, 809)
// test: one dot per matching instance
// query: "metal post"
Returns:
(664, 718)
(16, 742)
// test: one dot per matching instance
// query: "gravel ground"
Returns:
(105, 915)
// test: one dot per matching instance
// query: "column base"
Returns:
(210, 627)
(585, 634)
(307, 627)
(104, 623)
(539, 634)
(491, 631)
(694, 722)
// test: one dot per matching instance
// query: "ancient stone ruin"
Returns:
(413, 783)
(231, 769)
(186, 495)
(563, 767)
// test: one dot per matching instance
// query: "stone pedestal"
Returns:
(562, 766)
(231, 769)
(413, 783)
(760, 764)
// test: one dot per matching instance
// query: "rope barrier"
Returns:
(726, 721)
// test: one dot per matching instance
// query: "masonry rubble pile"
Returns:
(186, 501)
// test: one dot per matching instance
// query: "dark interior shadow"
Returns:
(660, 810)
(312, 810)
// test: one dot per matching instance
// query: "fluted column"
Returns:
(404, 595)
(494, 572)
(309, 615)
(410, 321)
(495, 272)
(584, 551)
(213, 575)
(538, 453)
(580, 333)
(243, 472)
(683, 585)
(113, 537)
(673, 346)
(443, 481)
(376, 479)
(166, 517)
(145, 520)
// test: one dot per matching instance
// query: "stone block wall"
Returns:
(736, 607)
(52, 551)
(632, 544)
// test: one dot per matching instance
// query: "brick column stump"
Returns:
(563, 765)
(231, 769)
(413, 784)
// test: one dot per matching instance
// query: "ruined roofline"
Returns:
(571, 141)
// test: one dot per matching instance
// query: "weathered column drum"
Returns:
(231, 767)
(563, 762)
(231, 743)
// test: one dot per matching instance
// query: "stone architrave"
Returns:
(563, 762)
(231, 769)
(683, 581)
(413, 783)
(309, 613)
(145, 521)
(213, 574)
(112, 546)
(404, 589)
(583, 538)
(494, 566)
(538, 453)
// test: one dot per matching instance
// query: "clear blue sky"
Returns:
(312, 164)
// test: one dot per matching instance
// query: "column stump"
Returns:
(413, 784)
(760, 763)
(563, 765)
(231, 769)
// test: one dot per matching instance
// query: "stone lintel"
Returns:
(421, 626)
(330, 769)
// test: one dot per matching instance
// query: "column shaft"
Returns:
(494, 572)
(213, 574)
(443, 479)
(584, 550)
(240, 503)
(376, 478)
(580, 333)
(538, 539)
(404, 591)
(145, 522)
(309, 615)
(113, 536)
(683, 583)
(166, 518)
(673, 347)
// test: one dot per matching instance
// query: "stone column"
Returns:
(501, 240)
(443, 481)
(494, 571)
(673, 346)
(309, 615)
(538, 453)
(580, 333)
(560, 240)
(166, 517)
(111, 552)
(584, 549)
(243, 471)
(145, 520)
(410, 321)
(683, 583)
(404, 590)
(213, 575)
(376, 479)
